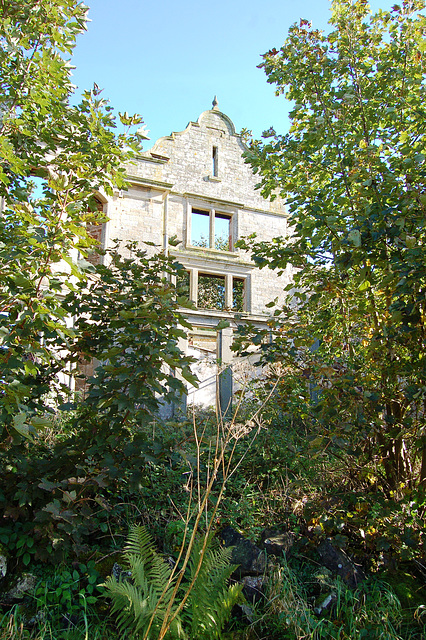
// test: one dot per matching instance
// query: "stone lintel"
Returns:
(229, 203)
(219, 201)
(211, 317)
(155, 159)
(213, 263)
(209, 253)
(149, 183)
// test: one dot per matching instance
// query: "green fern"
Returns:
(142, 602)
(137, 600)
(211, 599)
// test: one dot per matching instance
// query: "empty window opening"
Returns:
(200, 228)
(211, 230)
(222, 232)
(182, 283)
(238, 294)
(215, 165)
(211, 291)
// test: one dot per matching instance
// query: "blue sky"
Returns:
(167, 59)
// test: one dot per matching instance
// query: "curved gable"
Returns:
(215, 119)
(207, 159)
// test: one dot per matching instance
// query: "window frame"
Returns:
(229, 283)
(212, 213)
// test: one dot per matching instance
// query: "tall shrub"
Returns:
(352, 171)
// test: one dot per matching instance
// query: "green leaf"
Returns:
(22, 427)
(41, 422)
(355, 237)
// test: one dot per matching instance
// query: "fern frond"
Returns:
(211, 600)
(140, 554)
(160, 575)
(142, 603)
(138, 573)
(139, 543)
(133, 607)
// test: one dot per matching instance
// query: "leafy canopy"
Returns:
(63, 304)
(54, 158)
(352, 171)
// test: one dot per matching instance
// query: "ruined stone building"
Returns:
(195, 185)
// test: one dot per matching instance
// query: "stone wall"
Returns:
(194, 179)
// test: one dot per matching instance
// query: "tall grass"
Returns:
(13, 626)
(371, 611)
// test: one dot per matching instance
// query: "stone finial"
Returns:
(215, 104)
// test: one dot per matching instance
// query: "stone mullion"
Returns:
(193, 286)
(228, 291)
(211, 229)
(188, 214)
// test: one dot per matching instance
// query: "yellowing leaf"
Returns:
(364, 285)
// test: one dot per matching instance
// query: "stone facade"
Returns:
(195, 186)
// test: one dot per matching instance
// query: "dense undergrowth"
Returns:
(69, 531)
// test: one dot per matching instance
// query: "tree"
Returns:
(69, 153)
(57, 308)
(129, 321)
(352, 171)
